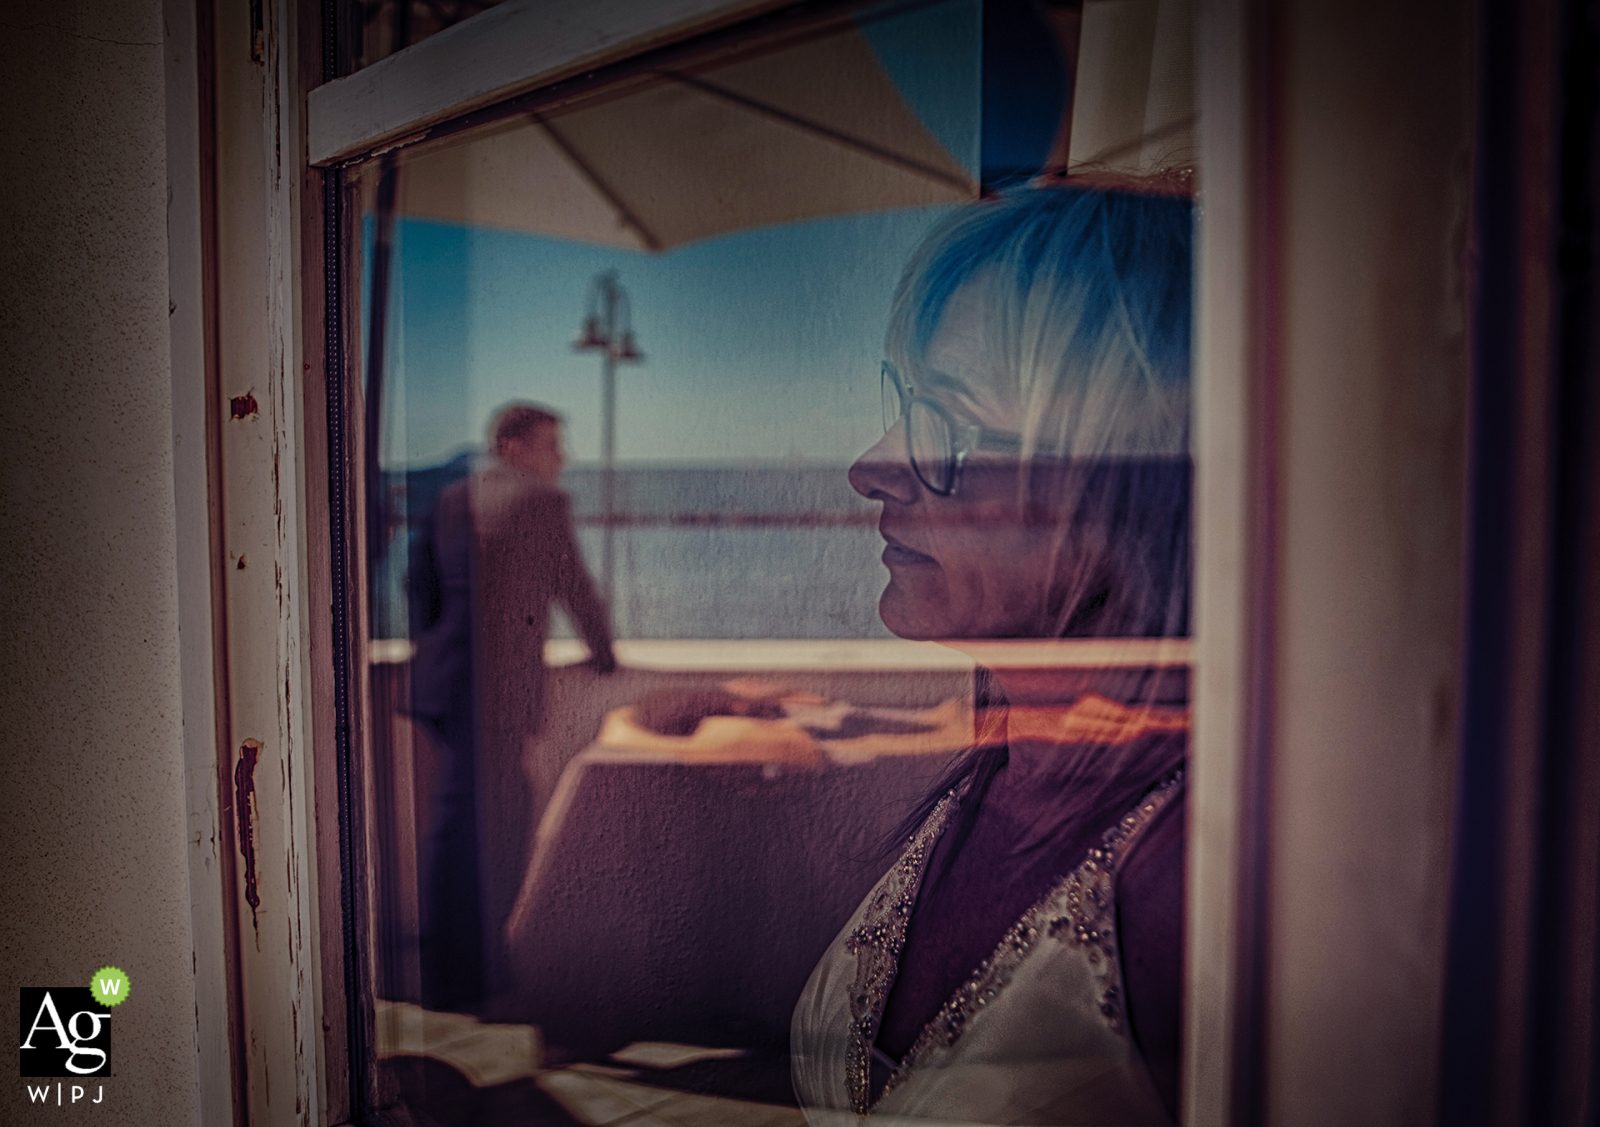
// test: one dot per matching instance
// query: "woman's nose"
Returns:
(883, 472)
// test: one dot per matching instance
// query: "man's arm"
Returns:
(575, 590)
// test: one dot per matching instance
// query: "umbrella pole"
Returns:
(608, 458)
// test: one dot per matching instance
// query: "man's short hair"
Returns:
(519, 420)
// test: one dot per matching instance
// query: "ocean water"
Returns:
(746, 551)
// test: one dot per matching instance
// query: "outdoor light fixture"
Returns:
(627, 349)
(591, 337)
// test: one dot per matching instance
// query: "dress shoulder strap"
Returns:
(877, 942)
(1083, 907)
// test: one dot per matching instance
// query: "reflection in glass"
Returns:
(1022, 961)
(495, 552)
(937, 442)
(599, 892)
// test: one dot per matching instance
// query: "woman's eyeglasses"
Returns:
(938, 442)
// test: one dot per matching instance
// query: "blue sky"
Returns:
(760, 345)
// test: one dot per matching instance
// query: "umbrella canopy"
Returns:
(813, 128)
(1133, 98)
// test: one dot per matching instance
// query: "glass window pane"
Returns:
(671, 645)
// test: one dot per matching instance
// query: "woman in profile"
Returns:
(1021, 960)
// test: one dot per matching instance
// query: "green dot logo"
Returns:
(109, 986)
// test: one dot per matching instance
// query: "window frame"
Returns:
(520, 54)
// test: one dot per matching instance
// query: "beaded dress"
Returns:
(1036, 1035)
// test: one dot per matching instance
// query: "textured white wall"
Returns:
(91, 767)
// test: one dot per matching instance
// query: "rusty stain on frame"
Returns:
(244, 788)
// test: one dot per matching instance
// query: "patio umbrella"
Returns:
(814, 127)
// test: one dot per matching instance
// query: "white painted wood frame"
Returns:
(209, 846)
(510, 49)
(1222, 563)
(262, 493)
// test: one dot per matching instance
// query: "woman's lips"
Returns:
(898, 555)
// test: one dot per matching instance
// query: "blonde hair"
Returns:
(1083, 289)
(1084, 292)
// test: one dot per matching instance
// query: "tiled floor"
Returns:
(450, 1069)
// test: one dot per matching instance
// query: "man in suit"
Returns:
(496, 551)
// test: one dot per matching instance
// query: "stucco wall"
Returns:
(91, 767)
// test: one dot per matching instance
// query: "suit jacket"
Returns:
(495, 552)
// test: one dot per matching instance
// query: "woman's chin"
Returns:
(915, 618)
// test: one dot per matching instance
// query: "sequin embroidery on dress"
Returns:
(1080, 910)
(877, 944)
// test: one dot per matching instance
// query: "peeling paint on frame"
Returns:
(262, 483)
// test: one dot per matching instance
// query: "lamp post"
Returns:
(608, 330)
